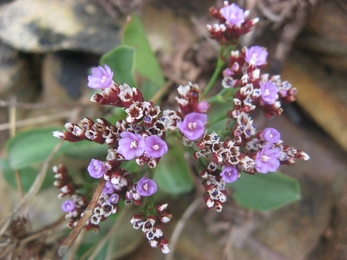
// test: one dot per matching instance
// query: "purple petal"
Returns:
(68, 206)
(268, 92)
(96, 168)
(229, 174)
(270, 135)
(192, 127)
(233, 14)
(155, 147)
(146, 187)
(256, 55)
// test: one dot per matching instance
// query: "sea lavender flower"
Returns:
(68, 206)
(268, 92)
(131, 145)
(155, 146)
(203, 106)
(101, 77)
(108, 188)
(233, 15)
(229, 174)
(192, 126)
(114, 199)
(270, 135)
(146, 187)
(267, 159)
(96, 168)
(256, 55)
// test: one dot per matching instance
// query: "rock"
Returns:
(41, 26)
(18, 82)
(294, 231)
(333, 241)
(16, 74)
(64, 83)
(321, 93)
(64, 76)
(325, 34)
(299, 225)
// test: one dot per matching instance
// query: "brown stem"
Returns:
(43, 231)
(86, 216)
(19, 184)
(162, 91)
(180, 226)
(34, 189)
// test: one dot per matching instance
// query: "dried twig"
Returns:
(162, 91)
(27, 105)
(34, 189)
(76, 245)
(181, 224)
(82, 221)
(37, 120)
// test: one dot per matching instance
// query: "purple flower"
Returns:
(101, 78)
(96, 168)
(192, 126)
(267, 159)
(203, 106)
(256, 55)
(131, 145)
(68, 206)
(114, 199)
(233, 14)
(155, 147)
(146, 187)
(108, 188)
(229, 174)
(268, 92)
(270, 135)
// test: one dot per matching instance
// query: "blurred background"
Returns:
(47, 49)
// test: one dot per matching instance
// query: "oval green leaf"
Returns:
(32, 146)
(27, 176)
(86, 150)
(121, 60)
(173, 174)
(265, 191)
(145, 61)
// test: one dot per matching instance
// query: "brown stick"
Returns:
(80, 224)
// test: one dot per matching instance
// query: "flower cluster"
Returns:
(151, 229)
(255, 89)
(233, 22)
(141, 136)
(77, 203)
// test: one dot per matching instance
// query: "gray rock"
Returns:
(16, 74)
(41, 26)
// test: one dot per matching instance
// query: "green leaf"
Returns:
(149, 89)
(173, 174)
(32, 146)
(265, 191)
(217, 117)
(27, 176)
(146, 63)
(121, 60)
(86, 150)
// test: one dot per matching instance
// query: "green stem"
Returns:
(224, 54)
(216, 73)
(217, 119)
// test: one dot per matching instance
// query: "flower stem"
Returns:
(216, 73)
(86, 216)
(224, 54)
(217, 119)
